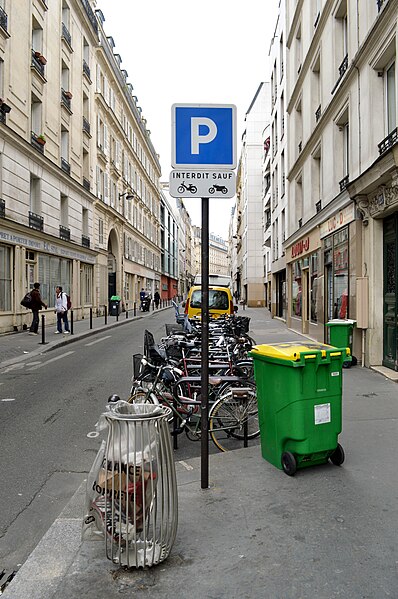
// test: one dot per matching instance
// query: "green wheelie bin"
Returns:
(340, 335)
(299, 393)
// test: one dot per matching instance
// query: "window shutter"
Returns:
(106, 140)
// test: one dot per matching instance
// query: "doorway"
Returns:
(390, 295)
(306, 300)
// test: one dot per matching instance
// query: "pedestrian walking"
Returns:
(61, 310)
(142, 298)
(36, 305)
(156, 298)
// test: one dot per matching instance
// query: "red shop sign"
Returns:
(300, 247)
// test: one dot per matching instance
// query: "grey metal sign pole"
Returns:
(204, 415)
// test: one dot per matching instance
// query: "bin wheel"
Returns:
(337, 457)
(289, 463)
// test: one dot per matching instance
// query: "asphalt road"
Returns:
(47, 428)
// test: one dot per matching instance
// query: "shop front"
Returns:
(25, 259)
(305, 283)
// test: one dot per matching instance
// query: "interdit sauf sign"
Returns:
(203, 139)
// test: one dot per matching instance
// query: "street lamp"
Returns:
(127, 196)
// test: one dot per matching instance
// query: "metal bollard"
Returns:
(135, 309)
(117, 313)
(43, 330)
(91, 318)
(153, 305)
(71, 322)
(106, 314)
(127, 314)
(137, 495)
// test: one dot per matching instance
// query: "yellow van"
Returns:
(220, 302)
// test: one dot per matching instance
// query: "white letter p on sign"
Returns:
(196, 138)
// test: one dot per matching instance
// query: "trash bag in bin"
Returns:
(131, 497)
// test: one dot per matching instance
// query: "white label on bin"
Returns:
(322, 413)
(334, 374)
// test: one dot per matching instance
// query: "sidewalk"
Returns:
(256, 533)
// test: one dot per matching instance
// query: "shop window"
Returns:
(87, 283)
(297, 299)
(315, 287)
(53, 271)
(5, 278)
(340, 273)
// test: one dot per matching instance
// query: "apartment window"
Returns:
(283, 177)
(341, 37)
(298, 49)
(316, 177)
(100, 231)
(346, 149)
(64, 145)
(342, 148)
(37, 36)
(36, 115)
(34, 195)
(282, 111)
(299, 127)
(64, 209)
(316, 95)
(84, 221)
(281, 62)
(391, 98)
(298, 201)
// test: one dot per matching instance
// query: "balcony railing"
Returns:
(86, 126)
(66, 100)
(388, 142)
(318, 113)
(380, 4)
(300, 223)
(3, 19)
(86, 183)
(90, 14)
(86, 70)
(64, 233)
(2, 208)
(85, 241)
(318, 206)
(300, 146)
(37, 62)
(36, 221)
(317, 19)
(2, 117)
(344, 182)
(65, 166)
(36, 142)
(66, 35)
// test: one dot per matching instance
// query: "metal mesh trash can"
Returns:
(138, 505)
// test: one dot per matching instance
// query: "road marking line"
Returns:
(186, 466)
(9, 399)
(98, 340)
(68, 353)
(13, 367)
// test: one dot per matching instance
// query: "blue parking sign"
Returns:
(203, 136)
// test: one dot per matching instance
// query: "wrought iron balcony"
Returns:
(318, 113)
(37, 142)
(36, 221)
(2, 208)
(66, 35)
(66, 99)
(86, 70)
(344, 66)
(90, 15)
(3, 19)
(85, 241)
(65, 166)
(380, 4)
(64, 233)
(300, 146)
(317, 19)
(344, 182)
(2, 117)
(318, 206)
(388, 142)
(86, 126)
(86, 183)
(300, 223)
(38, 62)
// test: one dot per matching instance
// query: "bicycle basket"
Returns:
(152, 351)
(141, 371)
(173, 328)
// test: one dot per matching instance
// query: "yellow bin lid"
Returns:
(291, 350)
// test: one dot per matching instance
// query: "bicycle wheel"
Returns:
(139, 395)
(230, 415)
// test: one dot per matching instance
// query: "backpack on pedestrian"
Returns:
(26, 302)
(68, 302)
